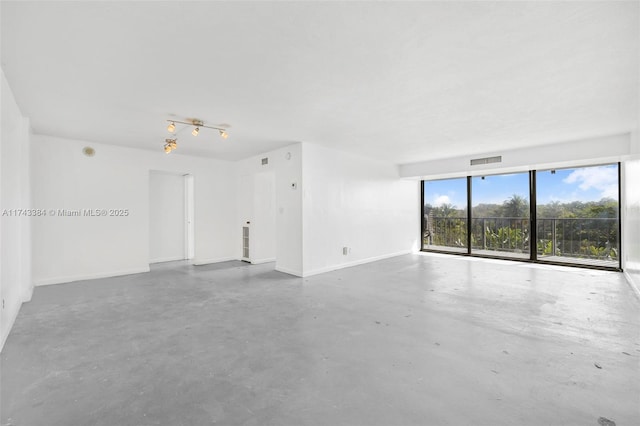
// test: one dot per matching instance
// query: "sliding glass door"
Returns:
(578, 215)
(574, 219)
(500, 215)
(444, 215)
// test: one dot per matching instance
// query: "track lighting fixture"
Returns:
(171, 144)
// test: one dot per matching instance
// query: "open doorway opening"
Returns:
(171, 216)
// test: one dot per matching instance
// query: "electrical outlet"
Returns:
(345, 251)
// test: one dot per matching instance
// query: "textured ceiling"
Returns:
(396, 81)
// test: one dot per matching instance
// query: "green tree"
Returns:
(551, 210)
(516, 206)
(446, 210)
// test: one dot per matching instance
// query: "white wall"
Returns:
(256, 186)
(563, 154)
(289, 182)
(631, 215)
(167, 217)
(352, 201)
(324, 200)
(73, 248)
(263, 226)
(15, 241)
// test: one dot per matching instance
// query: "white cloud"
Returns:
(603, 179)
(441, 199)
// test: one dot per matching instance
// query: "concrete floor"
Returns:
(412, 340)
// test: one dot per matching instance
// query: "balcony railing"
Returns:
(589, 238)
(508, 234)
(579, 238)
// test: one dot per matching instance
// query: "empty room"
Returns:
(367, 213)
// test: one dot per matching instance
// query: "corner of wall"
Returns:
(633, 278)
(355, 210)
(16, 285)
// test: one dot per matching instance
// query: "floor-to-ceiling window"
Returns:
(574, 219)
(444, 215)
(500, 215)
(578, 215)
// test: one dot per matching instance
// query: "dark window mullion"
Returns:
(468, 214)
(619, 218)
(422, 230)
(533, 217)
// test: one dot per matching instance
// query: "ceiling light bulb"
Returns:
(167, 149)
(223, 134)
(195, 131)
(171, 127)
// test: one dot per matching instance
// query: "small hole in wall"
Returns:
(88, 151)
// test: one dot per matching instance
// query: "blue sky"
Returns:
(580, 184)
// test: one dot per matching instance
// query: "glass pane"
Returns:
(500, 215)
(578, 215)
(445, 215)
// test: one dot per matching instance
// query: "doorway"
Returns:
(171, 216)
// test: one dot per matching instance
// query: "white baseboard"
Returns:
(71, 278)
(634, 283)
(259, 261)
(166, 259)
(288, 271)
(6, 327)
(355, 263)
(27, 294)
(198, 262)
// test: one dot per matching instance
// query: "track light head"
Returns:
(223, 134)
(171, 127)
(195, 131)
(170, 145)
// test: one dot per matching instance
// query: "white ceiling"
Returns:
(396, 81)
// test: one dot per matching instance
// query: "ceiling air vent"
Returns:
(486, 160)
(265, 161)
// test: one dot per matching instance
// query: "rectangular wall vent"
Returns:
(245, 243)
(486, 160)
(265, 161)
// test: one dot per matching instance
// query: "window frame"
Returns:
(533, 221)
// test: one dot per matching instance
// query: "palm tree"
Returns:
(446, 210)
(516, 206)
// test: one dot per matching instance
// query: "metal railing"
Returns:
(585, 238)
(446, 231)
(508, 234)
(589, 238)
